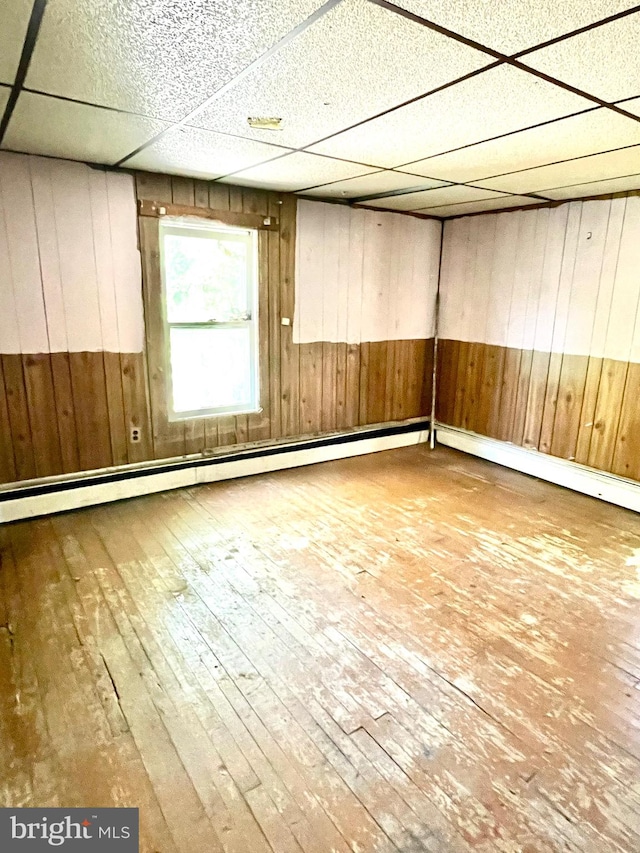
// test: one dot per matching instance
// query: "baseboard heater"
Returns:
(572, 475)
(59, 494)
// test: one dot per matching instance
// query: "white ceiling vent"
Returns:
(265, 122)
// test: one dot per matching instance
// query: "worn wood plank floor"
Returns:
(409, 651)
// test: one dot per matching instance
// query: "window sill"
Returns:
(204, 415)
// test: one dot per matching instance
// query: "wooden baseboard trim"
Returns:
(597, 484)
(51, 495)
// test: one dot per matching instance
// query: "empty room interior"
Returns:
(320, 426)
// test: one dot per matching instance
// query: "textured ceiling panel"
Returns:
(598, 167)
(297, 171)
(201, 154)
(577, 136)
(631, 106)
(377, 182)
(357, 61)
(4, 97)
(502, 203)
(432, 198)
(14, 19)
(617, 185)
(42, 125)
(513, 26)
(159, 58)
(602, 62)
(498, 101)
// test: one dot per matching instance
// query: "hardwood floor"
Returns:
(409, 651)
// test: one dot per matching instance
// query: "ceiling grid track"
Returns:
(330, 4)
(438, 189)
(33, 28)
(500, 58)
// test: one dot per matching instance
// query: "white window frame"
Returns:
(204, 229)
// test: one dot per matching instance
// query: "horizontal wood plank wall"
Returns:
(540, 330)
(62, 412)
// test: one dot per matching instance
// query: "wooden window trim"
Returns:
(175, 438)
(256, 221)
(253, 323)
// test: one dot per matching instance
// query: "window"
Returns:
(210, 288)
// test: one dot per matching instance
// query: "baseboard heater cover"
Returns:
(74, 492)
(572, 475)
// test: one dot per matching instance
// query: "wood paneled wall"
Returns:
(66, 411)
(71, 321)
(305, 389)
(364, 275)
(539, 328)
(69, 262)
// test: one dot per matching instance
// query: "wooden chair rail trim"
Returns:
(158, 210)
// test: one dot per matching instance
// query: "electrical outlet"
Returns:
(135, 434)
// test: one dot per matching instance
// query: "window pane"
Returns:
(206, 277)
(211, 368)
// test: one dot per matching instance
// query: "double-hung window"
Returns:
(210, 302)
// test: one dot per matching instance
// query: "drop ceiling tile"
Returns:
(498, 101)
(43, 125)
(376, 182)
(578, 136)
(355, 62)
(160, 58)
(514, 26)
(616, 185)
(201, 154)
(502, 203)
(631, 106)
(602, 61)
(598, 167)
(14, 15)
(432, 198)
(297, 171)
(4, 97)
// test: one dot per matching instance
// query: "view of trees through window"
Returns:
(210, 296)
(206, 278)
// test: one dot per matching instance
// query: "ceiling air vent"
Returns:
(265, 122)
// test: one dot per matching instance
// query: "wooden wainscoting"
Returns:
(580, 408)
(67, 412)
(64, 412)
